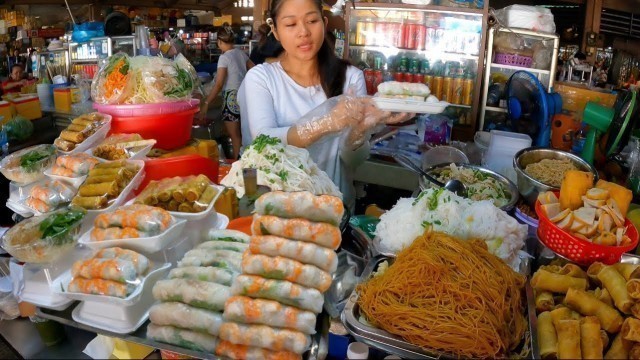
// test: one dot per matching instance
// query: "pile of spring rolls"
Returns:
(190, 194)
(75, 165)
(193, 297)
(78, 131)
(110, 272)
(105, 182)
(588, 314)
(132, 221)
(48, 195)
(285, 272)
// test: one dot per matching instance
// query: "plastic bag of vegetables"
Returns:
(19, 128)
(114, 82)
(160, 80)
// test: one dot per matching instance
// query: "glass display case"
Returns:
(57, 59)
(440, 46)
(124, 44)
(87, 57)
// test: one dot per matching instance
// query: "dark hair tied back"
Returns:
(332, 70)
(226, 34)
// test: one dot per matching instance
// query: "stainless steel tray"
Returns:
(385, 341)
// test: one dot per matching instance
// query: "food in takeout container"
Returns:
(123, 146)
(587, 314)
(73, 166)
(43, 239)
(181, 195)
(403, 90)
(83, 132)
(27, 165)
(48, 195)
(108, 183)
(402, 96)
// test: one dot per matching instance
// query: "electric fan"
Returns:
(617, 121)
(530, 107)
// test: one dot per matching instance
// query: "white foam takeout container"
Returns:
(411, 106)
(123, 197)
(97, 136)
(195, 216)
(148, 245)
(140, 154)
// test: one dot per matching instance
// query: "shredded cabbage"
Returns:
(280, 167)
(479, 185)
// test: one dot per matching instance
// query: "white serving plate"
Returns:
(412, 106)
(148, 245)
(99, 135)
(195, 216)
(133, 184)
(146, 284)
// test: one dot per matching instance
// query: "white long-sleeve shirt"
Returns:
(271, 102)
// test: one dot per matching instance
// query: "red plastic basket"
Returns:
(578, 250)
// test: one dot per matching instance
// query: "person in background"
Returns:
(275, 97)
(15, 82)
(233, 65)
(263, 32)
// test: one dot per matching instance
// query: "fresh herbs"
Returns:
(283, 174)
(30, 161)
(433, 199)
(114, 62)
(58, 225)
(185, 84)
(427, 224)
(262, 141)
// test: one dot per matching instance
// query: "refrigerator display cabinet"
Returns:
(88, 57)
(440, 46)
(59, 57)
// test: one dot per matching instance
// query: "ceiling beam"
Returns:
(141, 3)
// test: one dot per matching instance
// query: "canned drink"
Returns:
(361, 28)
(377, 80)
(411, 36)
(403, 65)
(467, 92)
(456, 92)
(428, 80)
(395, 34)
(447, 89)
(425, 68)
(414, 65)
(405, 35)
(417, 78)
(408, 77)
(369, 80)
(370, 38)
(398, 76)
(377, 62)
(421, 37)
(436, 88)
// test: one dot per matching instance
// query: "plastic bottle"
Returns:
(4, 142)
(357, 351)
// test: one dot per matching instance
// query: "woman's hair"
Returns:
(225, 34)
(333, 71)
(264, 31)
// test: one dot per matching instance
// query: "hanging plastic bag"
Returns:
(536, 18)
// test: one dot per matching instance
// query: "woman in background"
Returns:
(232, 67)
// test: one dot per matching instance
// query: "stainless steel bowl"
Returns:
(511, 187)
(528, 186)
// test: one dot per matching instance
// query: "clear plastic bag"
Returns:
(47, 196)
(161, 80)
(27, 166)
(536, 18)
(114, 83)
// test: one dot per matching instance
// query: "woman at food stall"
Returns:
(275, 97)
(15, 82)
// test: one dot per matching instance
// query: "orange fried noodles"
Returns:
(449, 295)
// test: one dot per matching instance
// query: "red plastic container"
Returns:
(241, 224)
(185, 165)
(578, 250)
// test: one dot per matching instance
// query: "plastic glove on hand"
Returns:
(332, 116)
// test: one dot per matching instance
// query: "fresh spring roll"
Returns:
(113, 233)
(223, 245)
(547, 338)
(631, 329)
(569, 339)
(185, 316)
(204, 273)
(107, 269)
(306, 253)
(62, 171)
(619, 348)
(591, 345)
(139, 261)
(265, 337)
(587, 305)
(228, 235)
(217, 258)
(320, 234)
(90, 202)
(148, 219)
(545, 280)
(242, 352)
(544, 301)
(193, 340)
(246, 310)
(301, 204)
(617, 287)
(79, 164)
(196, 293)
(573, 270)
(280, 268)
(285, 292)
(633, 288)
(594, 270)
(100, 287)
(628, 271)
(106, 188)
(38, 205)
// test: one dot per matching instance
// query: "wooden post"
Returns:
(260, 7)
(591, 24)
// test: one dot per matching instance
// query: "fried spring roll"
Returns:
(547, 337)
(619, 348)
(73, 136)
(569, 339)
(617, 287)
(544, 280)
(90, 202)
(107, 188)
(586, 304)
(544, 301)
(591, 345)
(628, 271)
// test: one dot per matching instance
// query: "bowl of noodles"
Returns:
(481, 183)
(542, 169)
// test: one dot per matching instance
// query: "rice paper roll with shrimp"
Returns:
(246, 310)
(144, 218)
(185, 316)
(100, 287)
(223, 245)
(113, 233)
(265, 337)
(187, 339)
(217, 258)
(201, 294)
(280, 268)
(52, 193)
(301, 204)
(204, 273)
(282, 291)
(139, 261)
(237, 351)
(321, 234)
(108, 269)
(228, 235)
(305, 252)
